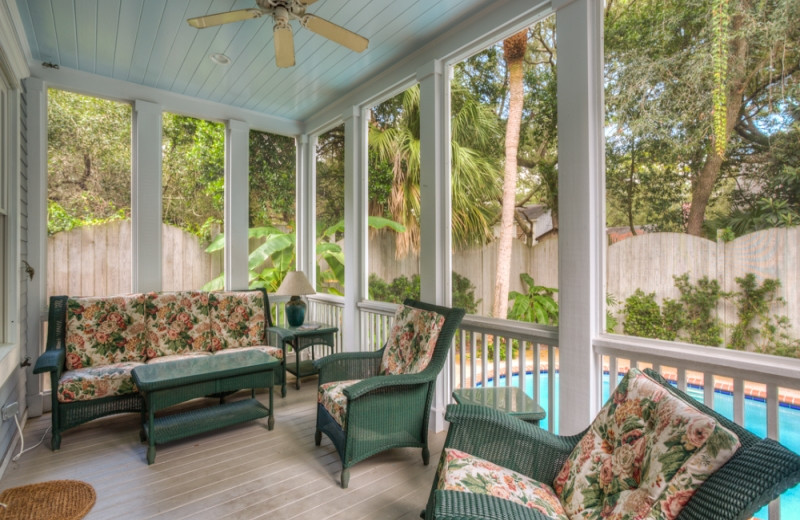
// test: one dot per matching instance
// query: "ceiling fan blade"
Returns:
(210, 20)
(284, 45)
(306, 2)
(335, 33)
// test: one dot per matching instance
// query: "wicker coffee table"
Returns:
(166, 384)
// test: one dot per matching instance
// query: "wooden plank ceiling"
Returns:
(148, 42)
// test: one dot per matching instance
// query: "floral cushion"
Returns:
(272, 351)
(644, 456)
(411, 341)
(237, 319)
(102, 331)
(331, 396)
(177, 323)
(459, 471)
(89, 383)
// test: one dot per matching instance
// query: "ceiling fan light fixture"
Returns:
(219, 58)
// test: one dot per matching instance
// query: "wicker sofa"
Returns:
(93, 344)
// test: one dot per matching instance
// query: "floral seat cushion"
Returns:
(331, 396)
(237, 319)
(463, 472)
(644, 456)
(411, 341)
(103, 331)
(275, 352)
(89, 383)
(177, 323)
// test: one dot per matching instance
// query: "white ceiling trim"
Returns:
(110, 88)
(484, 28)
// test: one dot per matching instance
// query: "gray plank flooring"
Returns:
(240, 472)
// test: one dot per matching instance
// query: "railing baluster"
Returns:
(462, 338)
(537, 356)
(738, 400)
(708, 389)
(551, 388)
(472, 363)
(484, 359)
(509, 360)
(523, 364)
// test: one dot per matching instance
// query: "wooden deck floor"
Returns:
(241, 472)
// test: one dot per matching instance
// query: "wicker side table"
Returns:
(301, 338)
(510, 399)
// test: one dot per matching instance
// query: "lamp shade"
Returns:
(295, 284)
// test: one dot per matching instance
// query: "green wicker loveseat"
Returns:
(369, 402)
(697, 443)
(93, 344)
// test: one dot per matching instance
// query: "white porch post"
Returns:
(36, 94)
(355, 225)
(581, 185)
(237, 204)
(146, 197)
(306, 217)
(435, 251)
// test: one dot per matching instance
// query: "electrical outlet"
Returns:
(10, 410)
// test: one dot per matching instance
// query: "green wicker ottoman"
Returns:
(166, 384)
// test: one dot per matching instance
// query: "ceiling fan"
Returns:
(282, 11)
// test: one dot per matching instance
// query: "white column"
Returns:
(36, 96)
(146, 197)
(581, 186)
(355, 225)
(237, 204)
(435, 213)
(306, 215)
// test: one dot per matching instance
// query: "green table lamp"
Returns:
(295, 285)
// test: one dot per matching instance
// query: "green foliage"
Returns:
(269, 262)
(700, 304)
(643, 316)
(752, 302)
(59, 220)
(536, 305)
(402, 287)
(611, 319)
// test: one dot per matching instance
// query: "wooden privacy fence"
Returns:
(96, 260)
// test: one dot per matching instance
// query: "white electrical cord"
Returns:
(22, 441)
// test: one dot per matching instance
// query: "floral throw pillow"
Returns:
(459, 471)
(644, 456)
(102, 331)
(177, 322)
(411, 341)
(237, 319)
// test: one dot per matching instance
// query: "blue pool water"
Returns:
(755, 420)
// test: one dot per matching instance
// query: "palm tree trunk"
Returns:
(514, 52)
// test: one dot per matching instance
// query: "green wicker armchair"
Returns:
(382, 411)
(757, 473)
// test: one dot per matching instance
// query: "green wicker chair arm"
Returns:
(456, 505)
(509, 442)
(384, 382)
(50, 361)
(348, 365)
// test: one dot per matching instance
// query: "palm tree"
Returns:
(514, 51)
(474, 171)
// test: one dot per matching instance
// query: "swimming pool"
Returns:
(755, 420)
